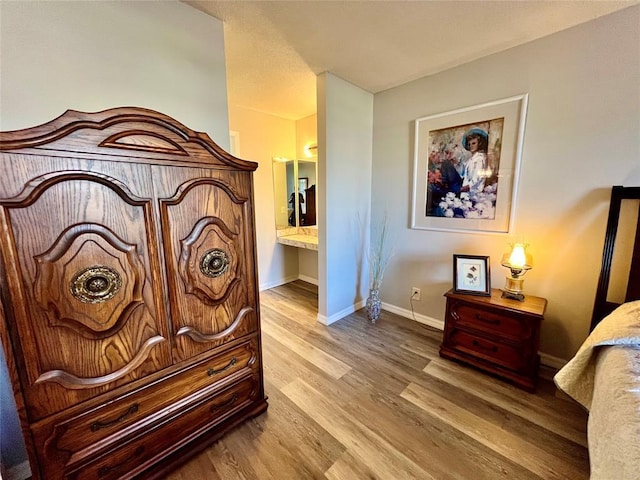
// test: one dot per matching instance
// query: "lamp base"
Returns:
(513, 295)
(513, 289)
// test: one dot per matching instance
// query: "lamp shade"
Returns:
(518, 258)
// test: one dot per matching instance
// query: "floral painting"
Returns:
(466, 166)
(462, 170)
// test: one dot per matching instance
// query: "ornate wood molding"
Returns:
(126, 118)
(197, 336)
(71, 381)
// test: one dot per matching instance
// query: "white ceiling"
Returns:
(275, 49)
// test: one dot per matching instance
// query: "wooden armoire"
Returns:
(129, 315)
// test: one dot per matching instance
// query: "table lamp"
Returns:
(519, 262)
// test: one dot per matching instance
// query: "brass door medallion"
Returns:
(96, 284)
(214, 263)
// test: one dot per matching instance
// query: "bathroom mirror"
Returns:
(294, 179)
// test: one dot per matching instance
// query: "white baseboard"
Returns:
(311, 280)
(282, 281)
(432, 322)
(341, 314)
(551, 361)
(403, 312)
(22, 471)
(277, 283)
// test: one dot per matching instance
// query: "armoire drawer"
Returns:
(163, 438)
(82, 434)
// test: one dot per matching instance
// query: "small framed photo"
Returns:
(471, 275)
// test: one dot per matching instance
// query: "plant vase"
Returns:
(373, 305)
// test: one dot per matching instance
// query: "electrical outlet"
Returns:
(415, 293)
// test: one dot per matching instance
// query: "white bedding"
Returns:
(604, 376)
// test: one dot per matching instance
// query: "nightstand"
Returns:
(498, 335)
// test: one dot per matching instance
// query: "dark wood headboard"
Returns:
(603, 306)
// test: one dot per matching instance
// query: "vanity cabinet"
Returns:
(129, 291)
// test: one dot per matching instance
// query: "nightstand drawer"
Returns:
(497, 353)
(491, 321)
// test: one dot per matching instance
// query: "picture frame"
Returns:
(466, 167)
(471, 275)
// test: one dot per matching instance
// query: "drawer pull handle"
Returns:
(102, 471)
(213, 371)
(493, 348)
(492, 321)
(98, 425)
(226, 404)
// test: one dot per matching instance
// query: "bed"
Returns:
(604, 375)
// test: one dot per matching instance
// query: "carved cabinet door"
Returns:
(208, 237)
(81, 261)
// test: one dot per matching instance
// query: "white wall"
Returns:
(345, 121)
(263, 137)
(307, 134)
(90, 56)
(582, 136)
(308, 265)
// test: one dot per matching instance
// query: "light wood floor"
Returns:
(374, 401)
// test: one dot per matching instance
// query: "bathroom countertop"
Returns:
(301, 241)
